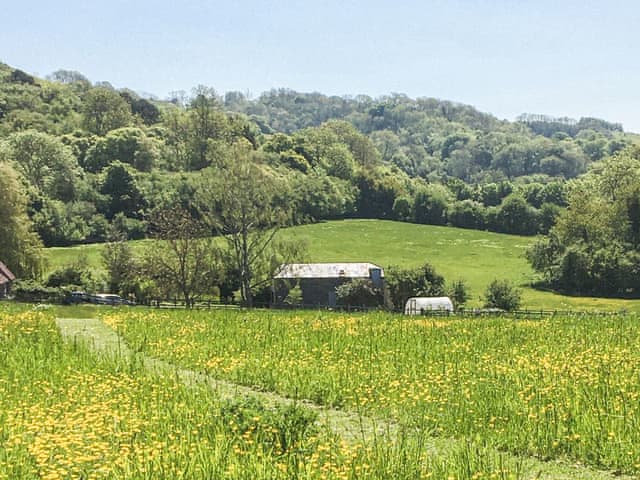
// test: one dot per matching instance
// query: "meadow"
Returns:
(68, 412)
(560, 388)
(477, 257)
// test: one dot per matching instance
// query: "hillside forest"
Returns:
(84, 162)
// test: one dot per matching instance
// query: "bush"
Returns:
(32, 291)
(403, 284)
(458, 292)
(359, 292)
(501, 294)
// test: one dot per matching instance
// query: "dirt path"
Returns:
(349, 425)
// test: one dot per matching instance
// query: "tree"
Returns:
(141, 107)
(594, 246)
(129, 145)
(503, 295)
(430, 205)
(244, 204)
(69, 77)
(184, 259)
(45, 162)
(359, 292)
(59, 224)
(403, 284)
(458, 292)
(207, 124)
(379, 189)
(120, 264)
(104, 110)
(515, 216)
(120, 185)
(20, 247)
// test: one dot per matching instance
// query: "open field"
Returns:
(67, 411)
(477, 257)
(562, 388)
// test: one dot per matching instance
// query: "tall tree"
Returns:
(246, 206)
(45, 162)
(208, 124)
(120, 185)
(120, 264)
(20, 247)
(103, 110)
(184, 259)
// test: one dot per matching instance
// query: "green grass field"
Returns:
(69, 412)
(564, 388)
(477, 257)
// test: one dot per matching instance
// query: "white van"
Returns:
(421, 305)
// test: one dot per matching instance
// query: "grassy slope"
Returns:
(475, 256)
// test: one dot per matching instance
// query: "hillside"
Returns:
(475, 256)
(95, 158)
(86, 163)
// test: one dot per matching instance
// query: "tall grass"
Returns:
(561, 387)
(68, 413)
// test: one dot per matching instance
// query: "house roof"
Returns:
(326, 270)
(5, 274)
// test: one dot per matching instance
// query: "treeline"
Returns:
(93, 158)
(432, 138)
(594, 247)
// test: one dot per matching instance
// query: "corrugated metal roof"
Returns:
(326, 270)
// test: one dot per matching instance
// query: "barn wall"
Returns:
(315, 291)
(319, 291)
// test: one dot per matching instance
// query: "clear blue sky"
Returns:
(560, 57)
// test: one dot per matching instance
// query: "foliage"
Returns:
(121, 266)
(76, 276)
(359, 292)
(183, 260)
(120, 186)
(129, 145)
(93, 157)
(458, 292)
(45, 162)
(34, 291)
(243, 202)
(20, 245)
(503, 295)
(104, 110)
(404, 283)
(594, 247)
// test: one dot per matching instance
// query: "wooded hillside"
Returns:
(94, 158)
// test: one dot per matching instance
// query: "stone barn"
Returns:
(6, 279)
(318, 281)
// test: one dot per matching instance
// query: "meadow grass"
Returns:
(554, 388)
(69, 413)
(476, 256)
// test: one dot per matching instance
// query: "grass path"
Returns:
(351, 426)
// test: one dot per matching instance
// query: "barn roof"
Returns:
(326, 270)
(5, 274)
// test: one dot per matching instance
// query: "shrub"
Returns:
(501, 294)
(359, 292)
(423, 281)
(32, 291)
(458, 292)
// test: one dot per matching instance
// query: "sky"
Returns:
(555, 57)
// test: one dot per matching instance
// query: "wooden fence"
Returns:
(172, 304)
